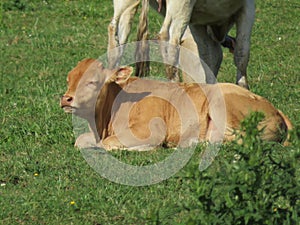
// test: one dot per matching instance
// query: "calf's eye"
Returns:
(92, 83)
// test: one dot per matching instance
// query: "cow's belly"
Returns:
(216, 12)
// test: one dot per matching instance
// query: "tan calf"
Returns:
(124, 112)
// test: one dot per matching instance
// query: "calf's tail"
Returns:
(289, 127)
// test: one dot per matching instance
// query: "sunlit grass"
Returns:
(45, 180)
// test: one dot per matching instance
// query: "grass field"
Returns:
(45, 180)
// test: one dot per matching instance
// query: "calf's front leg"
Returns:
(113, 143)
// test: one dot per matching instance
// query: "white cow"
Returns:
(209, 23)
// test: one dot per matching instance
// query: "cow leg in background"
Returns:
(143, 49)
(119, 29)
(175, 23)
(209, 50)
(244, 23)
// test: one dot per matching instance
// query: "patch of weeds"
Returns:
(257, 183)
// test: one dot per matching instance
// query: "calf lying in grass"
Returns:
(126, 112)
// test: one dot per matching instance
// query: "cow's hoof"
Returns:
(172, 73)
(243, 83)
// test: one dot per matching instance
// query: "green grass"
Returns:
(41, 172)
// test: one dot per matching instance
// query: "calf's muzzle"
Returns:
(66, 100)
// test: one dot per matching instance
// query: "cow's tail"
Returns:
(289, 127)
(142, 48)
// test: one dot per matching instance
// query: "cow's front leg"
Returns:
(119, 29)
(209, 51)
(244, 23)
(175, 23)
(113, 43)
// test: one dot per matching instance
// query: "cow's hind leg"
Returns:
(209, 50)
(143, 48)
(244, 23)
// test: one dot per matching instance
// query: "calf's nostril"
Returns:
(69, 99)
(66, 99)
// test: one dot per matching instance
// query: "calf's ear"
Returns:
(122, 74)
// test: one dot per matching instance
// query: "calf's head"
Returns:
(85, 83)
